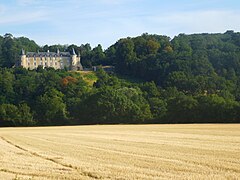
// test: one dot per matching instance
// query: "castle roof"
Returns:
(49, 54)
(22, 52)
(73, 51)
(40, 54)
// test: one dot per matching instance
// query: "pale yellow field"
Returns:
(121, 152)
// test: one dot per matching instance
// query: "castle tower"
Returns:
(73, 51)
(74, 57)
(80, 67)
(23, 61)
(76, 65)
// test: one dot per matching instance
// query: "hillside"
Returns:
(188, 79)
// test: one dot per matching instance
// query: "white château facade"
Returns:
(57, 60)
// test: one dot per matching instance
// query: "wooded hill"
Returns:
(187, 79)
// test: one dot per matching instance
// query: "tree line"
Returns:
(187, 79)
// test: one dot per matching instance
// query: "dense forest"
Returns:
(187, 79)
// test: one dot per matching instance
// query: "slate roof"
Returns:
(47, 54)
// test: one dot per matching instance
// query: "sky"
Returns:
(106, 21)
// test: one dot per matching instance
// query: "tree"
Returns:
(6, 86)
(98, 56)
(17, 116)
(108, 105)
(182, 109)
(85, 52)
(8, 114)
(125, 55)
(214, 108)
(179, 80)
(152, 47)
(149, 90)
(25, 115)
(9, 51)
(110, 56)
(158, 109)
(50, 108)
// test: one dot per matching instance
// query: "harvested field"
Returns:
(208, 151)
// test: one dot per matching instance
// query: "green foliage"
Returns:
(182, 109)
(158, 109)
(189, 79)
(25, 117)
(10, 48)
(214, 108)
(16, 115)
(109, 105)
(6, 86)
(51, 108)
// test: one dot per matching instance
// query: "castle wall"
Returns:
(23, 61)
(57, 61)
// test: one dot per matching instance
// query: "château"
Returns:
(56, 60)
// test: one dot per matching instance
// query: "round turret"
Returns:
(23, 60)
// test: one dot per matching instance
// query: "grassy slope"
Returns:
(89, 77)
(121, 151)
(130, 79)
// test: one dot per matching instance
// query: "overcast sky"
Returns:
(105, 21)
